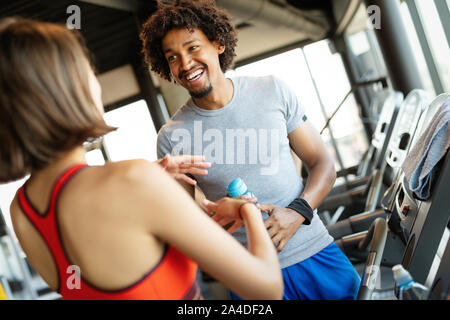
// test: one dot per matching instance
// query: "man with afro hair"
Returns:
(193, 44)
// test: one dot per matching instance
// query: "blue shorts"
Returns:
(327, 275)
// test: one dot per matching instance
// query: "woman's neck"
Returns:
(54, 169)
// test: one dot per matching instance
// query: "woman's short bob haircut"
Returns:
(46, 105)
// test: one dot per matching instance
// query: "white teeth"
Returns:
(194, 74)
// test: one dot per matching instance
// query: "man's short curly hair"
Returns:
(215, 23)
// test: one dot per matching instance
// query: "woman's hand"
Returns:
(226, 210)
(177, 166)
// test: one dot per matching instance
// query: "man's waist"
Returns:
(307, 238)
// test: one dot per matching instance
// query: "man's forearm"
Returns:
(195, 192)
(199, 196)
(320, 180)
(188, 187)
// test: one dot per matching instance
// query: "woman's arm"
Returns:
(178, 166)
(245, 212)
(168, 213)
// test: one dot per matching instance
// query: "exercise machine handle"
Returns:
(376, 237)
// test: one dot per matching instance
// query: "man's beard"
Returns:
(206, 90)
(202, 93)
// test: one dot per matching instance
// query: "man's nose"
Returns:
(186, 62)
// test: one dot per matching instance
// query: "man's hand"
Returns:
(177, 166)
(226, 210)
(282, 224)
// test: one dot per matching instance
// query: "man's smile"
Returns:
(193, 75)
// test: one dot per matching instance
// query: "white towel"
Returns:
(421, 165)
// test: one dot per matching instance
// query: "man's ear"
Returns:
(220, 48)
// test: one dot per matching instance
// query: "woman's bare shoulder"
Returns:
(140, 188)
(14, 209)
(133, 173)
(131, 181)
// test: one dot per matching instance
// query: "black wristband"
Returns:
(303, 208)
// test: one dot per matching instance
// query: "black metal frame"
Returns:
(396, 48)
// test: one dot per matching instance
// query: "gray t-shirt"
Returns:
(247, 138)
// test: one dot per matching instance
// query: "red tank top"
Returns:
(172, 278)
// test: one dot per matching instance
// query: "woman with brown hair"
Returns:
(128, 227)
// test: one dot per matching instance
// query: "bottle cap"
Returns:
(401, 275)
(236, 188)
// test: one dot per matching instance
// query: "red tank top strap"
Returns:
(65, 176)
(46, 223)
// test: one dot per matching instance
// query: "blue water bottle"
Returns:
(238, 188)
